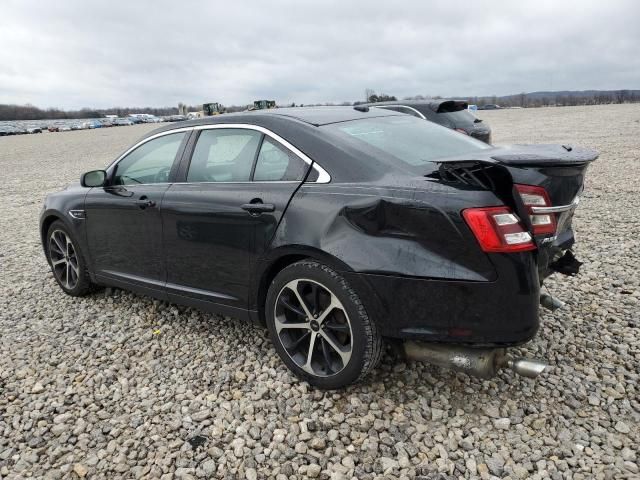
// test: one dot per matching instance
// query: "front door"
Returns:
(224, 212)
(123, 219)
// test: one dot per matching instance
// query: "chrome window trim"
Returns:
(145, 140)
(386, 107)
(239, 183)
(558, 209)
(323, 175)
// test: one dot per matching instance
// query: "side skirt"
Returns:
(158, 291)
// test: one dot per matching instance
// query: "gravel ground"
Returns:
(126, 387)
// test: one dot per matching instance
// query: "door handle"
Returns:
(144, 202)
(258, 208)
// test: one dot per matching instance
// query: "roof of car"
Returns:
(434, 104)
(311, 115)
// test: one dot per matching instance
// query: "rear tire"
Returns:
(319, 326)
(66, 260)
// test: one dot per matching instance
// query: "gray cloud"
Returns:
(75, 53)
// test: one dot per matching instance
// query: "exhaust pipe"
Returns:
(478, 362)
(549, 302)
(527, 367)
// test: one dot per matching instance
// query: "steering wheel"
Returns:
(162, 176)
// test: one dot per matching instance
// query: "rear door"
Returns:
(233, 191)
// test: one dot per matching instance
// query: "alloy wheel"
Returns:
(313, 327)
(64, 259)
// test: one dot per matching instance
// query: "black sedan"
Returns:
(453, 114)
(335, 227)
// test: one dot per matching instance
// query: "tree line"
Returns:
(30, 112)
(524, 100)
(549, 99)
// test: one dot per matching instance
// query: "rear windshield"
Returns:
(408, 142)
(459, 118)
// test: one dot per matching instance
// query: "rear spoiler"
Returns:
(449, 106)
(527, 156)
(488, 168)
(546, 155)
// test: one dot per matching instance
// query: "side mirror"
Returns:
(95, 178)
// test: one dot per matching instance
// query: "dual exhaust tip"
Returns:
(478, 362)
(526, 367)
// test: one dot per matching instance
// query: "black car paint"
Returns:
(398, 238)
(466, 122)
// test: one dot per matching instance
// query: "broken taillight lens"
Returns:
(533, 196)
(498, 229)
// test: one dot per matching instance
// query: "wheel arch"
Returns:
(45, 224)
(280, 259)
(75, 227)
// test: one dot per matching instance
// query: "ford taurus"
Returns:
(336, 228)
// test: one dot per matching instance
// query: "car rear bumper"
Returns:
(499, 313)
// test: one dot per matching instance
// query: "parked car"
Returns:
(176, 118)
(452, 114)
(7, 130)
(122, 122)
(335, 227)
(53, 128)
(106, 123)
(18, 130)
(489, 106)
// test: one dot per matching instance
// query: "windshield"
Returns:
(405, 141)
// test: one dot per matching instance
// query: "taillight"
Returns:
(533, 196)
(461, 131)
(498, 229)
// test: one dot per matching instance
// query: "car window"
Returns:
(458, 118)
(275, 163)
(390, 107)
(403, 140)
(224, 155)
(151, 162)
(410, 111)
(402, 109)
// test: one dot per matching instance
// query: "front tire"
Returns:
(319, 326)
(67, 261)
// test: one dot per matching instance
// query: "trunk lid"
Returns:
(559, 169)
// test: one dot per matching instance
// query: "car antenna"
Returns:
(361, 108)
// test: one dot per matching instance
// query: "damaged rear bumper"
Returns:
(503, 312)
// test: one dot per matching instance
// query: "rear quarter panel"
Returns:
(389, 230)
(413, 260)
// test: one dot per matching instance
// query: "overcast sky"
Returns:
(73, 54)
